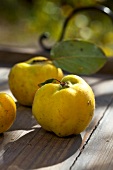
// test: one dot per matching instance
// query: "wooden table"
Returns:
(26, 146)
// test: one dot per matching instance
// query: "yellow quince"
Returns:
(66, 107)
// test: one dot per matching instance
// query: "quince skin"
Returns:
(24, 78)
(65, 108)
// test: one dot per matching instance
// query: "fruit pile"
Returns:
(61, 104)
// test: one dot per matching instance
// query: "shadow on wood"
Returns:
(32, 147)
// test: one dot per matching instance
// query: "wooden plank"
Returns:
(102, 87)
(98, 154)
(27, 146)
(11, 55)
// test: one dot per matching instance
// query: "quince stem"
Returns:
(63, 84)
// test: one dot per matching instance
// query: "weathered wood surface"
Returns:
(27, 146)
(11, 55)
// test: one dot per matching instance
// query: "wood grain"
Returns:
(27, 146)
(32, 147)
(98, 154)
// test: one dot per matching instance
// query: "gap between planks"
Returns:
(94, 129)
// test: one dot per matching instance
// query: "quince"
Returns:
(24, 78)
(65, 108)
(7, 111)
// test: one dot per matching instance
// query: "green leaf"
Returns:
(46, 82)
(78, 57)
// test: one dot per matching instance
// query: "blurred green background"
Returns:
(23, 21)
